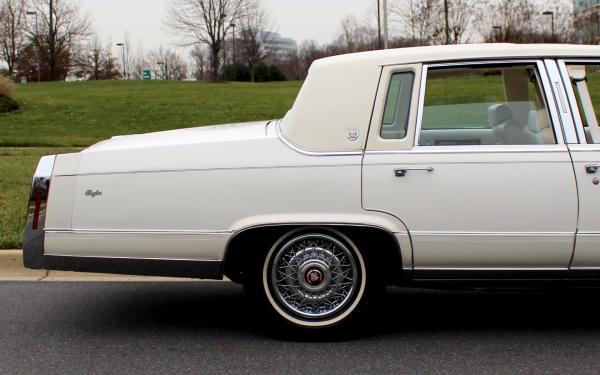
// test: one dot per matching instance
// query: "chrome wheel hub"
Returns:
(314, 276)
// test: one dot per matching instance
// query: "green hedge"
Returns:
(7, 104)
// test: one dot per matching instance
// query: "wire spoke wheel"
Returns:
(314, 276)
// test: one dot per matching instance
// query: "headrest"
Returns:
(499, 113)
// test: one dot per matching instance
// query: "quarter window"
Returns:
(397, 106)
(492, 105)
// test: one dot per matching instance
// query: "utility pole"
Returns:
(51, 39)
(122, 46)
(379, 24)
(447, 26)
(37, 42)
(385, 25)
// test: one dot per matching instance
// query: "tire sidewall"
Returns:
(344, 314)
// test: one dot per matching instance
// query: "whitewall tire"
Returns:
(314, 279)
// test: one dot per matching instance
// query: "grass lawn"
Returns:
(82, 113)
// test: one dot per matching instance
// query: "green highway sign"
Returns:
(147, 74)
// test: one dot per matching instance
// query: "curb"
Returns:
(11, 269)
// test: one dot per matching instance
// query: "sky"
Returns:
(143, 20)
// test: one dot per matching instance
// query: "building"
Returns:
(279, 46)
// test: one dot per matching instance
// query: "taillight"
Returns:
(36, 212)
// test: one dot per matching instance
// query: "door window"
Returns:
(485, 105)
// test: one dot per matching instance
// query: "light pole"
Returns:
(122, 45)
(162, 69)
(385, 25)
(497, 33)
(447, 25)
(222, 27)
(551, 14)
(233, 25)
(37, 41)
(379, 24)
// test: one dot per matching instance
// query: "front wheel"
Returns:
(313, 279)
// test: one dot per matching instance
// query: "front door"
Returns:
(583, 85)
(481, 176)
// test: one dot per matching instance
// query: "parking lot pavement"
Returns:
(209, 328)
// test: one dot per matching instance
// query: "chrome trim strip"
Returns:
(131, 258)
(357, 163)
(487, 61)
(572, 99)
(551, 103)
(489, 269)
(559, 94)
(421, 104)
(311, 153)
(479, 149)
(135, 232)
(504, 234)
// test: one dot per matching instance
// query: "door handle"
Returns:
(401, 172)
(592, 168)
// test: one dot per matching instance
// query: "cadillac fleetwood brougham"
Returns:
(376, 176)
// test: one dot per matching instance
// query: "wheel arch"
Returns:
(379, 246)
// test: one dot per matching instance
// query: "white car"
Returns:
(376, 176)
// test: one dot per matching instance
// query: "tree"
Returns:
(524, 22)
(96, 61)
(171, 65)
(356, 36)
(199, 62)
(418, 17)
(62, 26)
(205, 22)
(254, 38)
(13, 21)
(456, 21)
(309, 52)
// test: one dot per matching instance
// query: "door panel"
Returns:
(480, 210)
(582, 83)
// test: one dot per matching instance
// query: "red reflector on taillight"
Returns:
(36, 212)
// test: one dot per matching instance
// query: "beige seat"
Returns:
(507, 129)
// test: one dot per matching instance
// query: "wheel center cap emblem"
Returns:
(314, 276)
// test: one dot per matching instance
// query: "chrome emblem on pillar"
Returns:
(352, 135)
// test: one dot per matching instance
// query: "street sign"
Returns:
(147, 74)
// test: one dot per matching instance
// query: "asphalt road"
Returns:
(207, 328)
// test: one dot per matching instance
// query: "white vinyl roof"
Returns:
(339, 92)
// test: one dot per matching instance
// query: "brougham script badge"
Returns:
(93, 194)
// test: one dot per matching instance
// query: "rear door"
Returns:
(474, 162)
